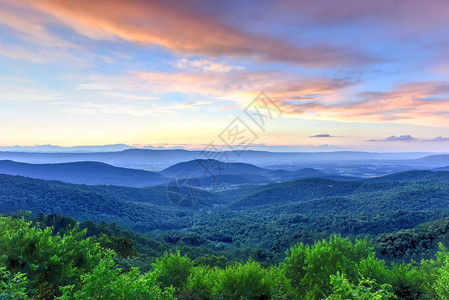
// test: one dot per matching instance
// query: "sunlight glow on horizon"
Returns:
(372, 77)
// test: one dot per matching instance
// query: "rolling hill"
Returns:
(150, 159)
(410, 176)
(212, 167)
(438, 160)
(446, 168)
(87, 172)
(271, 217)
(142, 209)
(213, 171)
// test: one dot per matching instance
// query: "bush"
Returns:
(365, 290)
(173, 270)
(50, 261)
(441, 283)
(249, 281)
(200, 283)
(309, 267)
(12, 287)
(107, 282)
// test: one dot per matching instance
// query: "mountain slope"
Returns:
(142, 209)
(439, 160)
(411, 176)
(409, 190)
(446, 168)
(159, 159)
(212, 167)
(300, 190)
(214, 171)
(87, 172)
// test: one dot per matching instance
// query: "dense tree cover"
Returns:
(257, 221)
(39, 263)
(416, 243)
(415, 175)
(218, 236)
(49, 261)
(127, 243)
(105, 281)
(365, 290)
(139, 209)
(12, 286)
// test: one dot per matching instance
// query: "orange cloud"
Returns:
(238, 86)
(30, 28)
(32, 40)
(184, 28)
(421, 103)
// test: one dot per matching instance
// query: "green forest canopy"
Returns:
(40, 263)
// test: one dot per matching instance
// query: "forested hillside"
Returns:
(38, 262)
(84, 172)
(265, 218)
(246, 231)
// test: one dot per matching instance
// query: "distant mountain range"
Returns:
(87, 172)
(56, 149)
(417, 175)
(433, 160)
(442, 169)
(210, 172)
(160, 159)
(243, 172)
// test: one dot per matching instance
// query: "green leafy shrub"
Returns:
(200, 283)
(12, 287)
(107, 282)
(365, 290)
(50, 261)
(249, 281)
(309, 267)
(173, 269)
(441, 281)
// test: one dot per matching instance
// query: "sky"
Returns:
(335, 75)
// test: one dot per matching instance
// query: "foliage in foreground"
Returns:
(39, 264)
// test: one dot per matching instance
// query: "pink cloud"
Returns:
(178, 27)
(238, 86)
(420, 103)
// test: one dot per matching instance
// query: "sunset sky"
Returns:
(347, 75)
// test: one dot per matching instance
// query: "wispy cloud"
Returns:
(205, 65)
(32, 40)
(30, 26)
(127, 109)
(393, 138)
(128, 96)
(409, 138)
(326, 135)
(401, 138)
(237, 86)
(426, 103)
(439, 139)
(181, 28)
(25, 93)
